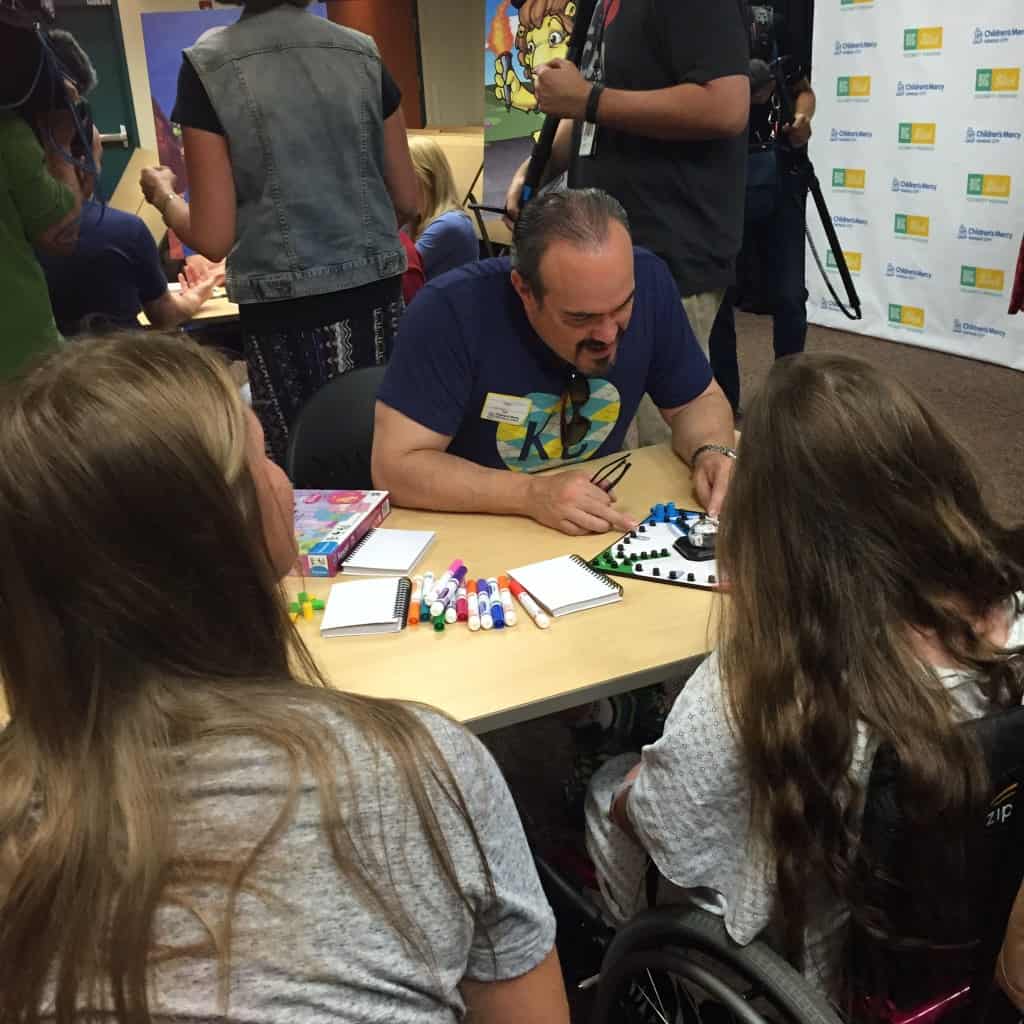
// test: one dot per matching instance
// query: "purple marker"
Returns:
(483, 592)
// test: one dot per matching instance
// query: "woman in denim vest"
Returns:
(298, 172)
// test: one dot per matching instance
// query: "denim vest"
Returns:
(300, 101)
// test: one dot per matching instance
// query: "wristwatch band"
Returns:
(162, 208)
(720, 448)
(592, 101)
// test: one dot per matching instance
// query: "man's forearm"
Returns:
(706, 420)
(806, 102)
(680, 112)
(446, 483)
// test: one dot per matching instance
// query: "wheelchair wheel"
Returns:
(703, 977)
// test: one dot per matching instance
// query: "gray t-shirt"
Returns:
(304, 947)
(690, 807)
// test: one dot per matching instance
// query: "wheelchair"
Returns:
(932, 963)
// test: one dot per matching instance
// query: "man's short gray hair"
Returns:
(579, 216)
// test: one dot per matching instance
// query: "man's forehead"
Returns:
(588, 279)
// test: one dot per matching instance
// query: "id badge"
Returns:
(588, 139)
(500, 408)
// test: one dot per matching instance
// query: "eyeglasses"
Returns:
(612, 473)
(573, 428)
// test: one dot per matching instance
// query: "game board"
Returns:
(660, 549)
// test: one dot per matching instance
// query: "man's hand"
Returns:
(198, 268)
(799, 132)
(571, 503)
(711, 475)
(515, 190)
(157, 184)
(561, 89)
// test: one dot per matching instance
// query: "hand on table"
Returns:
(561, 89)
(157, 184)
(569, 502)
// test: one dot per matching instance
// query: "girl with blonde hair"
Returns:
(192, 825)
(442, 230)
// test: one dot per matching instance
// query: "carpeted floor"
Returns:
(982, 404)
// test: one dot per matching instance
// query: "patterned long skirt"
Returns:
(289, 364)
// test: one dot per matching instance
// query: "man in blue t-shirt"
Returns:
(114, 271)
(541, 362)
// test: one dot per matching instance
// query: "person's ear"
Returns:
(523, 290)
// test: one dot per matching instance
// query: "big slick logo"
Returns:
(986, 280)
(854, 261)
(848, 179)
(853, 88)
(913, 90)
(923, 42)
(994, 35)
(972, 233)
(988, 188)
(976, 330)
(998, 83)
(990, 137)
(916, 135)
(906, 317)
(912, 227)
(850, 5)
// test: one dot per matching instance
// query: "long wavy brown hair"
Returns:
(141, 624)
(853, 519)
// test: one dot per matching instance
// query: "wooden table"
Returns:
(216, 310)
(489, 680)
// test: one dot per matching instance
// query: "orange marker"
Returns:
(414, 601)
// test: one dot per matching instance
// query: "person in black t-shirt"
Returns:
(771, 266)
(656, 117)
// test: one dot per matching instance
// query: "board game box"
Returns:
(329, 524)
(672, 545)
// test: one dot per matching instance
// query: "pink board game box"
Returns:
(329, 524)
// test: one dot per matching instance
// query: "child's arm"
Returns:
(617, 812)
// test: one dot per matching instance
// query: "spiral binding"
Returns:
(402, 600)
(362, 542)
(607, 580)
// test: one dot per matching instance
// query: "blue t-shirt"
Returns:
(467, 336)
(447, 243)
(114, 269)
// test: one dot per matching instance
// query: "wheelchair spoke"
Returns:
(657, 994)
(647, 999)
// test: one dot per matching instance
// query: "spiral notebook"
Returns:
(387, 553)
(566, 584)
(367, 607)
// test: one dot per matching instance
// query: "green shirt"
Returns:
(30, 202)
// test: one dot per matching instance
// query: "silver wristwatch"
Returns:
(720, 448)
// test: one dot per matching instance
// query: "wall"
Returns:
(452, 54)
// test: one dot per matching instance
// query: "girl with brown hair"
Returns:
(873, 598)
(192, 826)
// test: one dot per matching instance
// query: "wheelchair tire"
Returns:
(696, 931)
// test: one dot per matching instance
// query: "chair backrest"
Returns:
(936, 943)
(332, 439)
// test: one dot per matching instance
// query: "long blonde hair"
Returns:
(141, 621)
(853, 518)
(437, 183)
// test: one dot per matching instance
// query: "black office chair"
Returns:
(677, 963)
(332, 439)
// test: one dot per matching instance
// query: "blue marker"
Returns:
(484, 601)
(497, 612)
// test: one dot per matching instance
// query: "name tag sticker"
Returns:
(506, 408)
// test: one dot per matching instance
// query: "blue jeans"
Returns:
(776, 243)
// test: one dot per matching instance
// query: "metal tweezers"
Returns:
(612, 473)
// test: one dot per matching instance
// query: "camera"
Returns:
(26, 14)
(766, 25)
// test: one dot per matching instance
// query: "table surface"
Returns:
(214, 309)
(497, 678)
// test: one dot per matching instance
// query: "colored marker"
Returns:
(474, 607)
(484, 601)
(506, 602)
(442, 582)
(417, 597)
(428, 583)
(530, 606)
(497, 611)
(461, 605)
